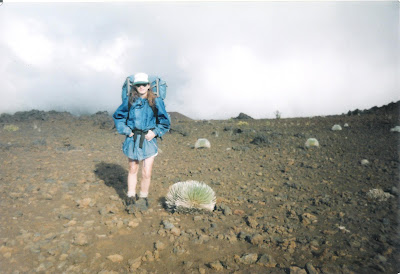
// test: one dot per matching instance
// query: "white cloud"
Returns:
(299, 58)
(27, 40)
(109, 56)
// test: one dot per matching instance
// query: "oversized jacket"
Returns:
(141, 116)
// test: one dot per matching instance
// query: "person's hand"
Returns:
(150, 135)
(130, 135)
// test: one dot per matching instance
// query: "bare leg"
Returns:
(146, 174)
(132, 175)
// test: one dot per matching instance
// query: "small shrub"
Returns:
(242, 123)
(184, 196)
(11, 128)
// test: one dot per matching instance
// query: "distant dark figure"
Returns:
(136, 118)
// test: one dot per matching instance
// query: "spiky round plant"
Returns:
(190, 196)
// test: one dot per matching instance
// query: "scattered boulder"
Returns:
(85, 203)
(217, 266)
(364, 162)
(115, 258)
(260, 139)
(297, 270)
(394, 190)
(175, 231)
(240, 148)
(167, 225)
(243, 116)
(311, 269)
(249, 258)
(134, 263)
(395, 129)
(308, 218)
(256, 239)
(109, 209)
(379, 195)
(251, 222)
(336, 127)
(159, 245)
(267, 261)
(312, 142)
(225, 209)
(202, 143)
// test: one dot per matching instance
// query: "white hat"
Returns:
(141, 78)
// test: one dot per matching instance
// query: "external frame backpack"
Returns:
(157, 85)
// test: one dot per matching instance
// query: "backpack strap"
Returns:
(128, 92)
(155, 111)
(157, 86)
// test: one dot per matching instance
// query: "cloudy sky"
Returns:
(218, 58)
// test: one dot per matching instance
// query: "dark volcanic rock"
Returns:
(243, 116)
(260, 139)
(102, 120)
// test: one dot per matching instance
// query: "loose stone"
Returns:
(311, 269)
(175, 231)
(115, 258)
(217, 266)
(336, 127)
(257, 239)
(364, 162)
(312, 142)
(167, 225)
(159, 245)
(134, 263)
(251, 221)
(225, 209)
(249, 258)
(267, 261)
(81, 239)
(202, 143)
(297, 270)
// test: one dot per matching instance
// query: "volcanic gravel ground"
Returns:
(281, 207)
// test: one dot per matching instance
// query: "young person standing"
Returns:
(136, 119)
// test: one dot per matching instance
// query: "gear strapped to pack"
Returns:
(142, 135)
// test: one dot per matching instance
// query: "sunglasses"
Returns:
(141, 85)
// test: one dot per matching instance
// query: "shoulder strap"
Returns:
(128, 92)
(155, 111)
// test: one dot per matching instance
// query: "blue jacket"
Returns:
(141, 117)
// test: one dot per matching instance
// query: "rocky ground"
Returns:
(281, 207)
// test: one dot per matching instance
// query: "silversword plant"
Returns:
(190, 196)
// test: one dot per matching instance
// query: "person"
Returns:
(142, 118)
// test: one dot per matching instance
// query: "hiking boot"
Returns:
(130, 201)
(130, 204)
(142, 204)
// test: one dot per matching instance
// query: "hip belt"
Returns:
(142, 134)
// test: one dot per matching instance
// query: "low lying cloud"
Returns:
(302, 59)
